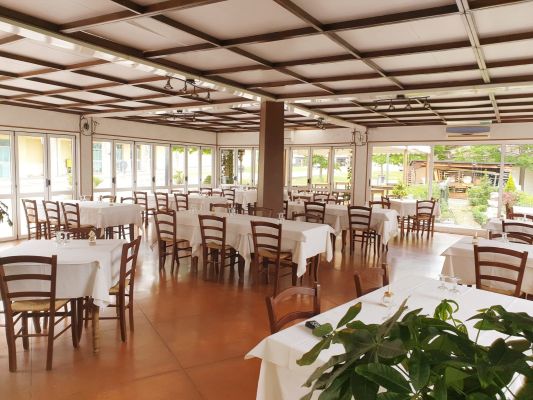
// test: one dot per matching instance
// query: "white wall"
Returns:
(310, 137)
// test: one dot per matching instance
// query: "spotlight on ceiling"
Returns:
(408, 106)
(391, 107)
(320, 123)
(168, 85)
(426, 104)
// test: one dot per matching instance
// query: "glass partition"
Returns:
(300, 167)
(244, 166)
(226, 166)
(193, 167)
(518, 175)
(342, 168)
(143, 164)
(320, 167)
(207, 167)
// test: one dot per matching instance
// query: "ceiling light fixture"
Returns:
(320, 123)
(168, 85)
(400, 100)
(408, 106)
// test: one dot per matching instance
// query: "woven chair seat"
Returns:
(284, 255)
(115, 289)
(36, 305)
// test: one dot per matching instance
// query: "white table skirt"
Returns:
(281, 378)
(459, 261)
(103, 214)
(82, 270)
(406, 207)
(495, 225)
(303, 239)
(245, 197)
(384, 222)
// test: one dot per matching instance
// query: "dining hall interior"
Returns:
(269, 199)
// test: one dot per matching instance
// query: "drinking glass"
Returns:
(442, 279)
(505, 238)
(281, 217)
(455, 280)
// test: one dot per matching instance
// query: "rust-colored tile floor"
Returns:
(190, 335)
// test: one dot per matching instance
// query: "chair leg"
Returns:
(36, 323)
(80, 315)
(122, 317)
(130, 311)
(173, 257)
(11, 347)
(74, 323)
(25, 339)
(50, 346)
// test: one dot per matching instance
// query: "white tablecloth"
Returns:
(281, 378)
(459, 260)
(495, 225)
(406, 207)
(245, 197)
(196, 202)
(82, 270)
(384, 222)
(303, 239)
(103, 214)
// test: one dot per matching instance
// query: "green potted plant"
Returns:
(399, 191)
(4, 214)
(416, 356)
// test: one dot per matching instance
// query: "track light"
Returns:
(391, 107)
(168, 85)
(320, 123)
(426, 104)
(408, 106)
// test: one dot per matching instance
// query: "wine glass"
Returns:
(504, 237)
(455, 280)
(281, 217)
(442, 280)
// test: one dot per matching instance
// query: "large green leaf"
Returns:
(323, 330)
(362, 388)
(385, 376)
(419, 369)
(439, 390)
(311, 356)
(352, 312)
(455, 378)
(391, 349)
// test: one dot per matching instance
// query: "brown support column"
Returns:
(270, 187)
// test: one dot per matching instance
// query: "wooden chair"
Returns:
(43, 303)
(519, 230)
(71, 217)
(193, 192)
(220, 207)
(182, 201)
(320, 197)
(370, 274)
(512, 237)
(52, 210)
(359, 219)
(515, 264)
(313, 212)
(142, 199)
(229, 194)
(109, 198)
(216, 252)
(383, 203)
(37, 227)
(167, 240)
(123, 289)
(161, 201)
(206, 191)
(274, 303)
(424, 219)
(286, 209)
(267, 239)
(516, 216)
(253, 209)
(124, 230)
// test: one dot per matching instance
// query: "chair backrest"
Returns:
(71, 215)
(286, 209)
(52, 210)
(379, 204)
(213, 231)
(370, 274)
(165, 225)
(207, 191)
(128, 265)
(359, 217)
(502, 265)
(266, 238)
(128, 200)
(260, 211)
(142, 199)
(161, 201)
(193, 192)
(520, 216)
(182, 201)
(220, 207)
(523, 230)
(512, 237)
(315, 212)
(30, 209)
(109, 198)
(320, 197)
(425, 208)
(38, 270)
(277, 321)
(79, 233)
(229, 194)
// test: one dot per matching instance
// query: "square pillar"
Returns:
(271, 148)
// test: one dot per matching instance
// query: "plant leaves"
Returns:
(391, 349)
(439, 390)
(385, 376)
(392, 396)
(323, 330)
(455, 378)
(362, 388)
(350, 315)
(311, 356)
(419, 369)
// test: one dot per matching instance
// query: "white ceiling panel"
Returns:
(441, 78)
(258, 76)
(427, 60)
(119, 71)
(503, 20)
(510, 50)
(26, 84)
(359, 84)
(304, 88)
(212, 59)
(511, 71)
(44, 52)
(73, 78)
(332, 69)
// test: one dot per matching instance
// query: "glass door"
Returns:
(207, 167)
(143, 167)
(7, 189)
(226, 166)
(244, 167)
(179, 164)
(193, 168)
(320, 169)
(300, 168)
(102, 168)
(161, 166)
(123, 169)
(61, 167)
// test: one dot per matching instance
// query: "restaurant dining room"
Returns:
(266, 199)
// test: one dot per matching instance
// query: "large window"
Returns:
(179, 167)
(518, 175)
(144, 165)
(244, 166)
(300, 167)
(207, 167)
(193, 167)
(239, 166)
(320, 167)
(342, 168)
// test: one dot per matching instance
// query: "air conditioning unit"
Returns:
(468, 132)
